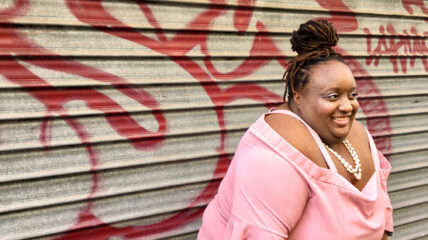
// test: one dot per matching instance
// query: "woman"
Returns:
(306, 170)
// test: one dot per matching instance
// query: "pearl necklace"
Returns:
(356, 171)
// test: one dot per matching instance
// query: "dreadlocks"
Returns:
(313, 42)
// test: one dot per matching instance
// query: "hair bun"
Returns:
(313, 35)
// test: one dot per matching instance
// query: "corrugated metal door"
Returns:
(118, 119)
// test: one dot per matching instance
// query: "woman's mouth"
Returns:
(341, 121)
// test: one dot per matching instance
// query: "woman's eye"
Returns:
(331, 96)
(354, 95)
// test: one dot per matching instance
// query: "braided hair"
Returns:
(313, 42)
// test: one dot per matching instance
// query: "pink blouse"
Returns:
(272, 191)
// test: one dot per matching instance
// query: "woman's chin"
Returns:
(341, 137)
(335, 137)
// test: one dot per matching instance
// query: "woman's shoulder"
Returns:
(358, 133)
(297, 134)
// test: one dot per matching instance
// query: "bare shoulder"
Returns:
(296, 133)
(359, 134)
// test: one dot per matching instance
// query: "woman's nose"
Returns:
(345, 105)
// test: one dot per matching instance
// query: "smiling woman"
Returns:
(307, 169)
(328, 103)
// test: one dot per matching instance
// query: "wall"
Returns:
(118, 119)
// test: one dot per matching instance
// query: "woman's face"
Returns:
(328, 102)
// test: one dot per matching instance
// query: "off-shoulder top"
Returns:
(272, 191)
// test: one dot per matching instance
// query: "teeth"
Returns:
(341, 118)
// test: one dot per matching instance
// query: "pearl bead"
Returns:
(356, 171)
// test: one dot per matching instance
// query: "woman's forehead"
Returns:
(331, 75)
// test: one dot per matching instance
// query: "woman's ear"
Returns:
(297, 99)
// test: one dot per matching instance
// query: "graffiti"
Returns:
(407, 4)
(15, 47)
(402, 48)
(342, 17)
(176, 49)
(54, 99)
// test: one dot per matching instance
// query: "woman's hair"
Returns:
(313, 42)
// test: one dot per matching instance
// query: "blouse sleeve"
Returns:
(385, 169)
(269, 197)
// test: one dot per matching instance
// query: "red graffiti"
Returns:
(243, 16)
(54, 99)
(341, 16)
(178, 46)
(407, 4)
(400, 47)
(15, 47)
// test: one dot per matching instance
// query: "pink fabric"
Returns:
(272, 191)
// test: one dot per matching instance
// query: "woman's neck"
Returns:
(292, 107)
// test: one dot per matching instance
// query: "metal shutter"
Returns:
(118, 118)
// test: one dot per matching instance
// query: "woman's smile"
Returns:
(328, 102)
(341, 121)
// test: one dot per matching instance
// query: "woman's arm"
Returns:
(269, 195)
